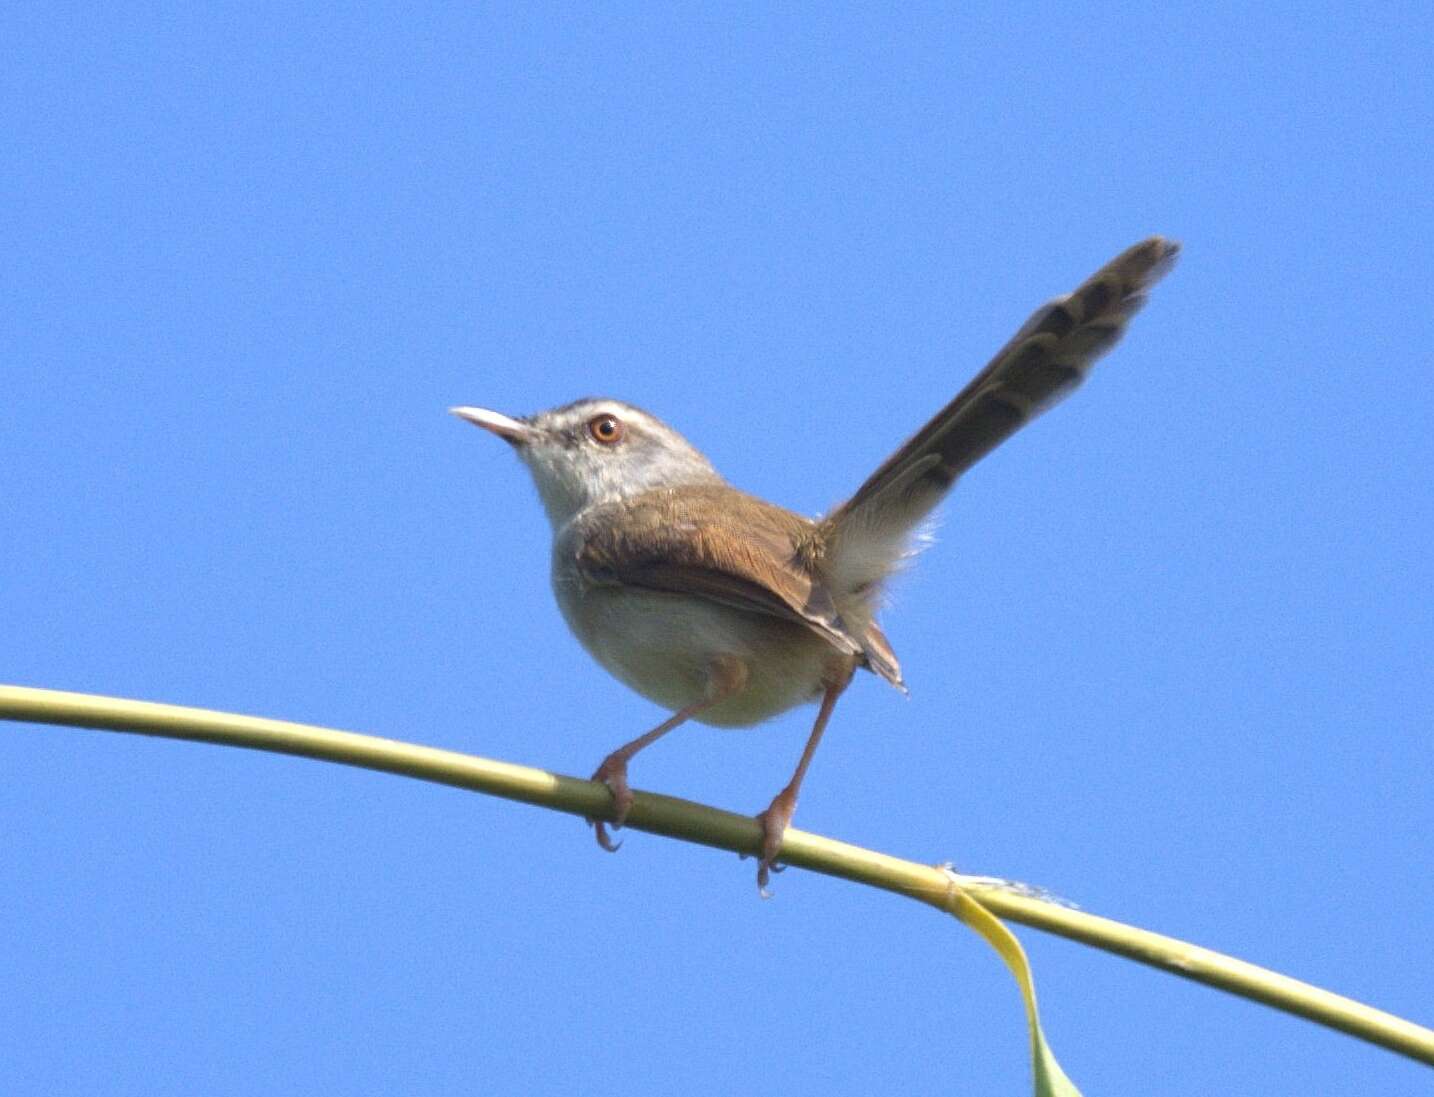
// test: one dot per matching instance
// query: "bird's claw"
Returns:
(600, 832)
(613, 774)
(774, 825)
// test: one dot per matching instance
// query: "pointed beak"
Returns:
(513, 431)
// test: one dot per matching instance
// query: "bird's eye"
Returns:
(606, 429)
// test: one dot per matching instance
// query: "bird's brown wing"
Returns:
(1044, 362)
(715, 543)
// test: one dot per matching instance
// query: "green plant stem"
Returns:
(723, 830)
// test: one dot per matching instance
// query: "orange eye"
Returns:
(606, 429)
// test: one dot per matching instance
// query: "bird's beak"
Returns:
(513, 431)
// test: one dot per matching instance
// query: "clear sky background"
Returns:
(1170, 656)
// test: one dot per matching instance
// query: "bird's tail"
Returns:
(1048, 357)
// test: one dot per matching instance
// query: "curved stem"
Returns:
(723, 830)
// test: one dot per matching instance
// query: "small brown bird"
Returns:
(729, 610)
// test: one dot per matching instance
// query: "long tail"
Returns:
(1043, 362)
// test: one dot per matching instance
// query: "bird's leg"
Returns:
(726, 675)
(779, 813)
(613, 772)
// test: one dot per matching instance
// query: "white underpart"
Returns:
(870, 552)
(884, 533)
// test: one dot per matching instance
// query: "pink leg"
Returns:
(726, 677)
(784, 805)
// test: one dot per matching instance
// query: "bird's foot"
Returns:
(613, 774)
(774, 824)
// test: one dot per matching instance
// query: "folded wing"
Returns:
(715, 543)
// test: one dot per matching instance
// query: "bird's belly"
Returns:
(661, 645)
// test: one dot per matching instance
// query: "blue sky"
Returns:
(1170, 656)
